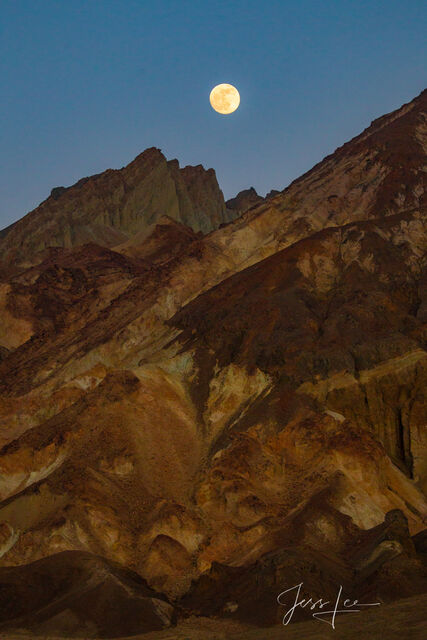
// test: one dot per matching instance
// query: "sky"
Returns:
(87, 85)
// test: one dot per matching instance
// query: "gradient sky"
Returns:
(87, 85)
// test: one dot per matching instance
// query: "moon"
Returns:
(224, 98)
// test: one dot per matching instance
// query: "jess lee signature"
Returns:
(348, 606)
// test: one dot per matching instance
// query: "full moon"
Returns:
(224, 98)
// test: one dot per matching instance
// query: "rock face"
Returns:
(247, 199)
(231, 414)
(110, 207)
(244, 200)
(76, 593)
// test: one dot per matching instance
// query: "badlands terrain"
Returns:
(204, 403)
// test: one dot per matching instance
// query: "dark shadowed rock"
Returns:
(244, 200)
(78, 594)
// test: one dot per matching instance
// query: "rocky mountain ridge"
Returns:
(113, 206)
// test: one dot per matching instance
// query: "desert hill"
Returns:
(221, 409)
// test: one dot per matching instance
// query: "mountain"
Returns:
(247, 199)
(225, 415)
(244, 200)
(112, 206)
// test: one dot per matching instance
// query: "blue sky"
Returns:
(86, 86)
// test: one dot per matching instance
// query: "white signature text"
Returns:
(317, 606)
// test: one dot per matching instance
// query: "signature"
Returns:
(348, 606)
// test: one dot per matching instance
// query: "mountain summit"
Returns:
(113, 206)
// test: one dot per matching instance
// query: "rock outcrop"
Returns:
(73, 594)
(244, 200)
(247, 199)
(227, 412)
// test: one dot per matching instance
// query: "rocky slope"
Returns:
(74, 592)
(232, 413)
(110, 207)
